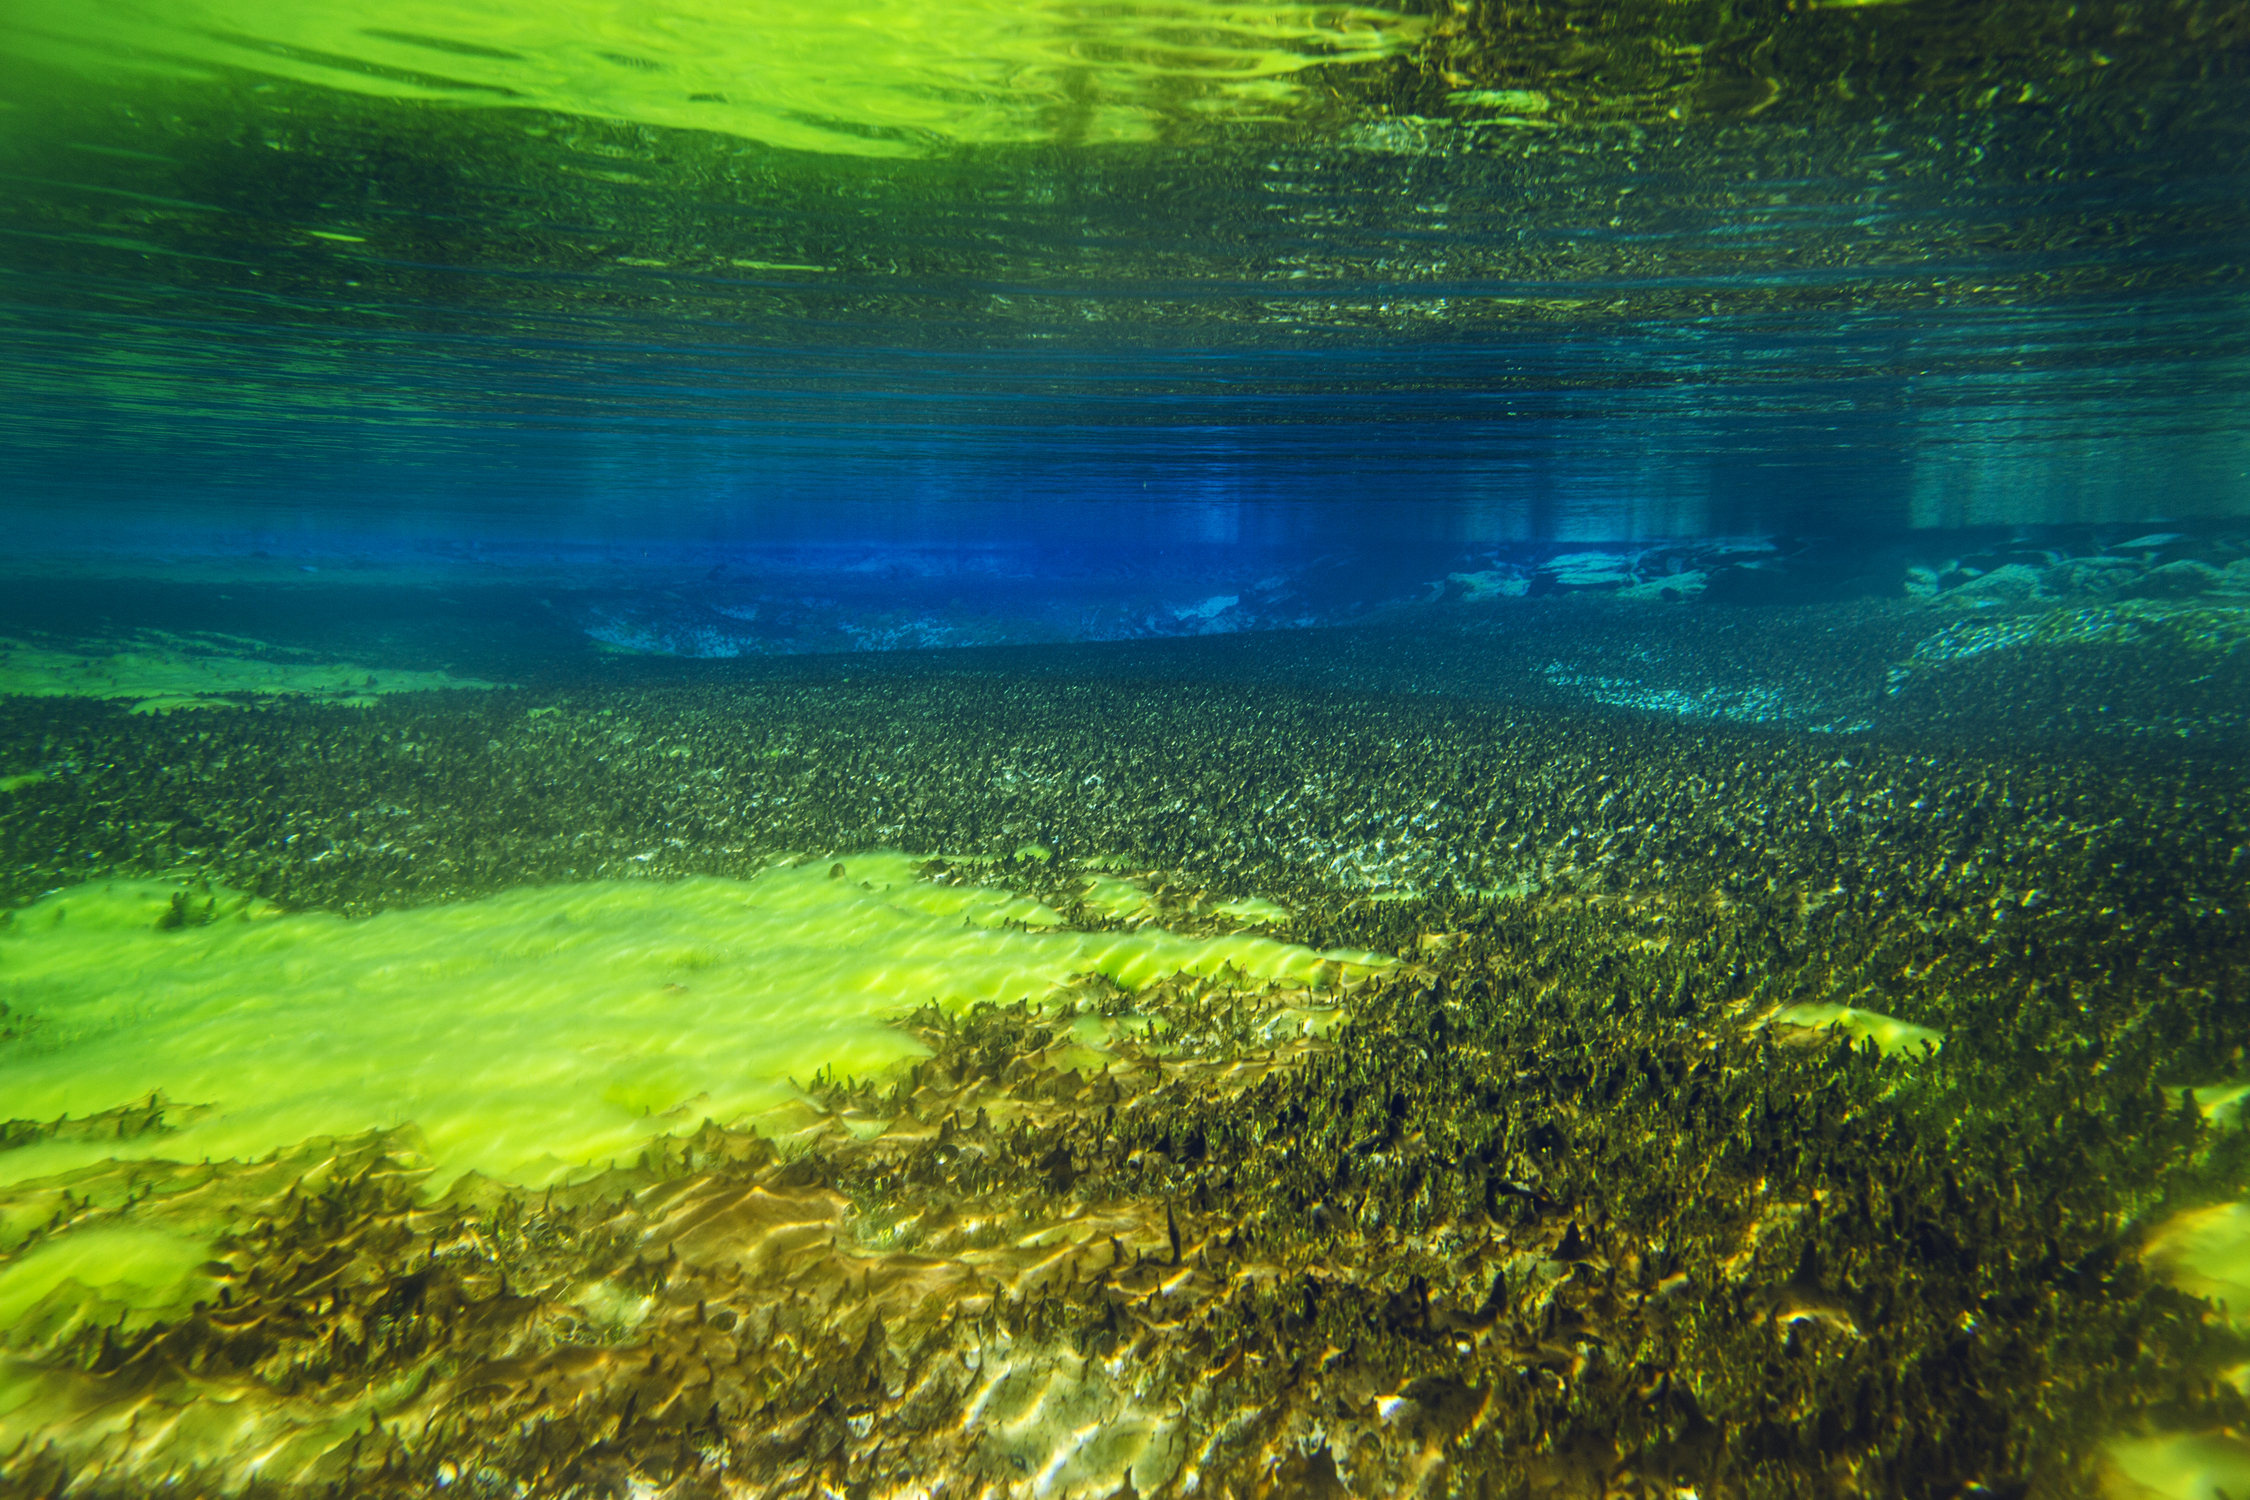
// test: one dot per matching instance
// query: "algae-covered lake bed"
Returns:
(1550, 1048)
(1138, 750)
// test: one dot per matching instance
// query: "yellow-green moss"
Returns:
(1255, 909)
(1114, 896)
(533, 1035)
(1895, 1037)
(133, 1272)
(161, 676)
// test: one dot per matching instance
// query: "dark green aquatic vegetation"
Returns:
(1565, 1204)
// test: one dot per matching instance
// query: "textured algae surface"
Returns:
(533, 1034)
(1810, 1116)
(161, 673)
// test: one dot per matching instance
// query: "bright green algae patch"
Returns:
(161, 676)
(2205, 1252)
(1128, 900)
(1114, 896)
(533, 1035)
(1896, 1038)
(141, 1270)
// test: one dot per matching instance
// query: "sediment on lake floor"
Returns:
(1567, 1201)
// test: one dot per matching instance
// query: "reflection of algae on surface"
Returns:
(1659, 64)
(863, 78)
(164, 674)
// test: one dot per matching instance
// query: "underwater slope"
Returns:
(1749, 1110)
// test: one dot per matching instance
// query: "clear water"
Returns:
(690, 274)
(947, 746)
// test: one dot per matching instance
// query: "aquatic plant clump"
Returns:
(533, 1036)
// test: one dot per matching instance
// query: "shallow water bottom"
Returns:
(1277, 1086)
(537, 1034)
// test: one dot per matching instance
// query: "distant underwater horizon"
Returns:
(937, 748)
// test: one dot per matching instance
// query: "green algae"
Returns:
(531, 1039)
(1896, 1038)
(163, 674)
(2207, 1251)
(2178, 1466)
(136, 1271)
(1116, 897)
(1554, 1126)
(534, 1035)
(2222, 1102)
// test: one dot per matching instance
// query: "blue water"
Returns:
(401, 323)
